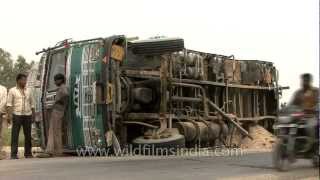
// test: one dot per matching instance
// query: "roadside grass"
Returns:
(7, 137)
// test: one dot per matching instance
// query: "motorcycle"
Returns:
(294, 139)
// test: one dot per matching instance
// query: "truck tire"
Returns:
(157, 46)
(159, 147)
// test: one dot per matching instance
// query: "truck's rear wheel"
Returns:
(157, 46)
(163, 146)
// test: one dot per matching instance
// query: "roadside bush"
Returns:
(7, 137)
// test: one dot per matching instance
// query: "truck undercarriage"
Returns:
(157, 92)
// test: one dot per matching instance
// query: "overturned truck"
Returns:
(156, 93)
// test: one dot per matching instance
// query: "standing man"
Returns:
(60, 106)
(3, 100)
(21, 109)
(307, 98)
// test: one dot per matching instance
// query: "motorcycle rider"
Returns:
(307, 98)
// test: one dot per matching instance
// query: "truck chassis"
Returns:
(156, 92)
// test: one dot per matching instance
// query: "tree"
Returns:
(21, 65)
(6, 65)
(9, 68)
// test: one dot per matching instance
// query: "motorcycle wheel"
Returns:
(315, 161)
(280, 159)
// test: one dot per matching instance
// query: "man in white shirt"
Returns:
(21, 109)
(3, 100)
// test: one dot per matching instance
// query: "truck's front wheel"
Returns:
(162, 146)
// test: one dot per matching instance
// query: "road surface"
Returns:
(247, 166)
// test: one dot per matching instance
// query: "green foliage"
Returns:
(10, 68)
(7, 137)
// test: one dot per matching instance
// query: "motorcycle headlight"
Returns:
(293, 131)
(282, 131)
(285, 119)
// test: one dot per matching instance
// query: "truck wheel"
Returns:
(280, 159)
(157, 46)
(159, 147)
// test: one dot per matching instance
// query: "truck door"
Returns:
(56, 63)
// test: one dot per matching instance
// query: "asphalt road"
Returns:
(249, 166)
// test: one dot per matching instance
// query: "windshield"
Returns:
(57, 65)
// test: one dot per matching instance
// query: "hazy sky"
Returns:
(282, 31)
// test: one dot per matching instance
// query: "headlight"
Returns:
(285, 119)
(283, 131)
(293, 131)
